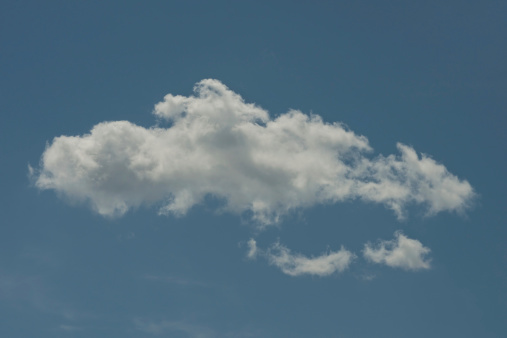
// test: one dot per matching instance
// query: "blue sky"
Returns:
(253, 169)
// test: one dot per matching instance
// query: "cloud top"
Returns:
(401, 252)
(215, 144)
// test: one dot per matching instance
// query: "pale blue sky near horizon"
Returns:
(431, 75)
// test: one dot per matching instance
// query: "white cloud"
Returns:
(297, 264)
(252, 249)
(401, 252)
(216, 144)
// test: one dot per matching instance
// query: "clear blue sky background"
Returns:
(430, 74)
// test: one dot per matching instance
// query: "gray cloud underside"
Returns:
(216, 144)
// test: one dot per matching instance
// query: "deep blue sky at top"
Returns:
(431, 74)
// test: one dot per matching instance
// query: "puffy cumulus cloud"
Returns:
(216, 144)
(397, 181)
(297, 264)
(401, 252)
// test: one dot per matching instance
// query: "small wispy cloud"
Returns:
(295, 264)
(69, 328)
(401, 252)
(186, 328)
(126, 237)
(252, 249)
(368, 276)
(33, 291)
(216, 144)
(166, 327)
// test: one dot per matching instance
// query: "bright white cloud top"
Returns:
(217, 145)
(401, 252)
(297, 264)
